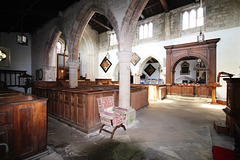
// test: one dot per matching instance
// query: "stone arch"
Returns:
(51, 43)
(82, 20)
(90, 55)
(145, 61)
(116, 72)
(129, 24)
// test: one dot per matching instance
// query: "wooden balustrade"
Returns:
(10, 77)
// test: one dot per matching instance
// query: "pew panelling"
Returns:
(189, 90)
(78, 106)
(23, 125)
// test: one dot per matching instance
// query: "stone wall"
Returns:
(222, 20)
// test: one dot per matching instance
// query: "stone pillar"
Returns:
(73, 74)
(124, 85)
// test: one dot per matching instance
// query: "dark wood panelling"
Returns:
(23, 125)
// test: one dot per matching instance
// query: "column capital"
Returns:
(73, 64)
(124, 56)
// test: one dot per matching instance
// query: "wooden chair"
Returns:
(110, 115)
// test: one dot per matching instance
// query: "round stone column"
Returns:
(73, 74)
(124, 78)
(124, 85)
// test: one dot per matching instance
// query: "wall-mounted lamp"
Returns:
(108, 56)
(3, 55)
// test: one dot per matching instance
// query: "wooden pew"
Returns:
(23, 124)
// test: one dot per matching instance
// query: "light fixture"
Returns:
(3, 55)
(21, 38)
(200, 37)
(108, 56)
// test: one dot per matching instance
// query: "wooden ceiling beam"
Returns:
(101, 24)
(151, 5)
(164, 4)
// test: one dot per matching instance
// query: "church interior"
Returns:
(129, 79)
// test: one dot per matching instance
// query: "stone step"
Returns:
(190, 99)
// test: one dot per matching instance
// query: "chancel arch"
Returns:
(152, 77)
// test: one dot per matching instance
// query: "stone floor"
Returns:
(165, 130)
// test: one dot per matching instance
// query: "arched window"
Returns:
(150, 29)
(59, 47)
(113, 39)
(146, 30)
(200, 17)
(192, 19)
(141, 32)
(185, 22)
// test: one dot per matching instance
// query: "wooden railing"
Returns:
(10, 77)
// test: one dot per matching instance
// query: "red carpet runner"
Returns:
(220, 153)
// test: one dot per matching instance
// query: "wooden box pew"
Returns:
(139, 99)
(23, 124)
(15, 98)
(79, 108)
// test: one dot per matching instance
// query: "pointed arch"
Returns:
(129, 24)
(145, 61)
(50, 45)
(82, 20)
(91, 54)
(116, 72)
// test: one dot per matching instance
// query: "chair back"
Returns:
(105, 103)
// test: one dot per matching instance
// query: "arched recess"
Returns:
(49, 70)
(196, 65)
(51, 44)
(87, 59)
(81, 22)
(141, 67)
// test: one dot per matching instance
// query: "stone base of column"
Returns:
(130, 117)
